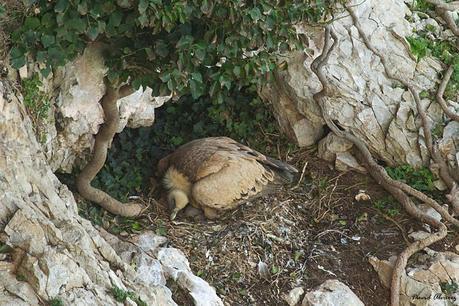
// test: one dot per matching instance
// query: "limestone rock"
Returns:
(362, 99)
(332, 293)
(345, 161)
(65, 256)
(294, 296)
(425, 284)
(14, 292)
(177, 267)
(331, 145)
(76, 114)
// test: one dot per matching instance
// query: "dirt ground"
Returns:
(302, 236)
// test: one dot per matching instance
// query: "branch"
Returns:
(102, 142)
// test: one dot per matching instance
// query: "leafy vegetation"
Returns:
(426, 42)
(4, 248)
(388, 206)
(11, 15)
(56, 302)
(212, 53)
(121, 295)
(135, 153)
(36, 102)
(422, 5)
(421, 179)
(449, 288)
(184, 47)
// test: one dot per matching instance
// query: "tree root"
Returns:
(101, 145)
(441, 90)
(439, 161)
(398, 190)
(443, 9)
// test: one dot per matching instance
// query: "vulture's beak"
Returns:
(174, 213)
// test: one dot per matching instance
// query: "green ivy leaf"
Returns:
(143, 5)
(61, 6)
(17, 58)
(255, 14)
(196, 76)
(237, 71)
(161, 48)
(18, 62)
(197, 89)
(47, 40)
(31, 23)
(93, 32)
(45, 71)
(83, 7)
(184, 41)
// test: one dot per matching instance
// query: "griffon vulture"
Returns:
(217, 174)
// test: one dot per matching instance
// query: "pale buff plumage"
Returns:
(218, 174)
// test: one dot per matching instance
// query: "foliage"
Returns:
(56, 302)
(426, 43)
(35, 99)
(388, 206)
(213, 51)
(449, 288)
(114, 224)
(134, 153)
(129, 163)
(4, 248)
(121, 295)
(241, 116)
(419, 46)
(37, 103)
(185, 47)
(437, 131)
(422, 5)
(12, 14)
(421, 179)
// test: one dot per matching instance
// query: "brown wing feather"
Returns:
(223, 171)
(238, 180)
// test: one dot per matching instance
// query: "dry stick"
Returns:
(101, 145)
(301, 177)
(378, 174)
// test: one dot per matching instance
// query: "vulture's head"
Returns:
(178, 200)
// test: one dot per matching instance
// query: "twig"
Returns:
(301, 177)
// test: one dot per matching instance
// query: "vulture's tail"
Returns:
(285, 171)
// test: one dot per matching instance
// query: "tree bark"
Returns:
(103, 140)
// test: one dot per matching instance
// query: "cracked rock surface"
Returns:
(362, 99)
(58, 254)
(432, 282)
